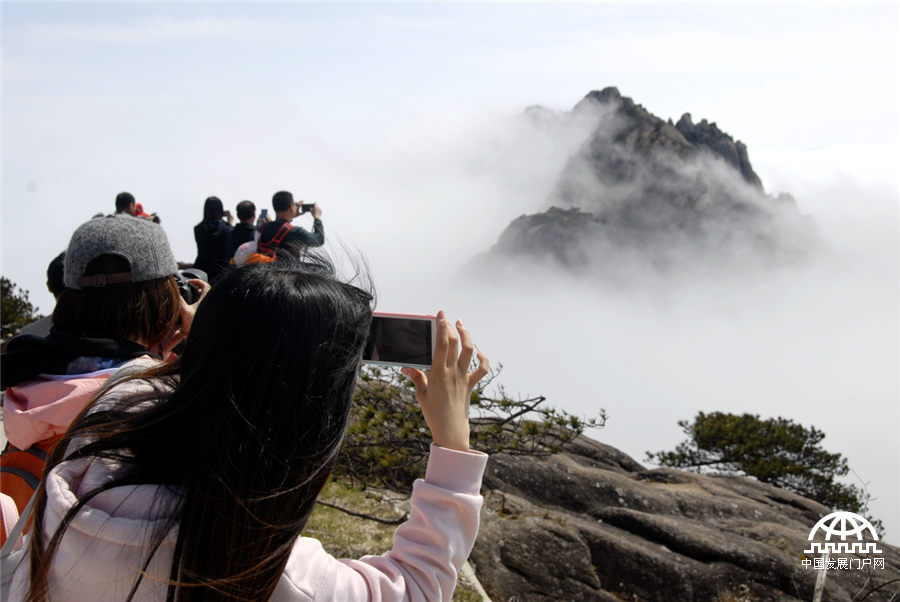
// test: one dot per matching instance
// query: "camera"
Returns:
(189, 291)
(400, 340)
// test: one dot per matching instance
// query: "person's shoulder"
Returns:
(275, 223)
(274, 226)
(127, 382)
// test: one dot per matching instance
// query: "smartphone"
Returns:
(306, 207)
(263, 214)
(400, 340)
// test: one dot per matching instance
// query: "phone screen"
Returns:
(400, 340)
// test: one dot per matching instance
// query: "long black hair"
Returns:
(243, 429)
(213, 208)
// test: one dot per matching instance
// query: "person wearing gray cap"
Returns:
(121, 302)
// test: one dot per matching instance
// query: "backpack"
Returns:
(270, 247)
(10, 515)
(14, 543)
(21, 469)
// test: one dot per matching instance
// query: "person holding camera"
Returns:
(280, 233)
(195, 479)
(213, 238)
(121, 301)
(245, 229)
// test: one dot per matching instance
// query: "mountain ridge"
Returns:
(652, 195)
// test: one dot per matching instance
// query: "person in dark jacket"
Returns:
(245, 230)
(213, 236)
(281, 233)
(56, 285)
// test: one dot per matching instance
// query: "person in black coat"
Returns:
(213, 236)
(245, 230)
(281, 233)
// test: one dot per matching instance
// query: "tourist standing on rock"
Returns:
(121, 302)
(245, 230)
(281, 234)
(195, 479)
(213, 237)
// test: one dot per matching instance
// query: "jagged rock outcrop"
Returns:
(650, 194)
(591, 523)
(708, 135)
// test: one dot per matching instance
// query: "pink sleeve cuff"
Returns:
(455, 470)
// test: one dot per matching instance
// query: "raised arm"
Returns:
(431, 547)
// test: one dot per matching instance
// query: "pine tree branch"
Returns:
(377, 519)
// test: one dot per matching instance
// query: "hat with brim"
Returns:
(140, 242)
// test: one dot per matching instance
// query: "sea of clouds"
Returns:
(421, 195)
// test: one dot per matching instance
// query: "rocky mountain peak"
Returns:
(644, 132)
(655, 194)
(607, 95)
(709, 136)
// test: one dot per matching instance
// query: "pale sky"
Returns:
(399, 119)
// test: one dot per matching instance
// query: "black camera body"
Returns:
(190, 292)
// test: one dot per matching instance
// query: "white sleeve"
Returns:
(429, 548)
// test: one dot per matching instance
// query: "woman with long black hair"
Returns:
(213, 238)
(193, 480)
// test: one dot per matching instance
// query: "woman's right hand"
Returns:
(186, 313)
(445, 392)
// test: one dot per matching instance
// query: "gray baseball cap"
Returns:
(142, 243)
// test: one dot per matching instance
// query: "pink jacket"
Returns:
(45, 407)
(104, 544)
